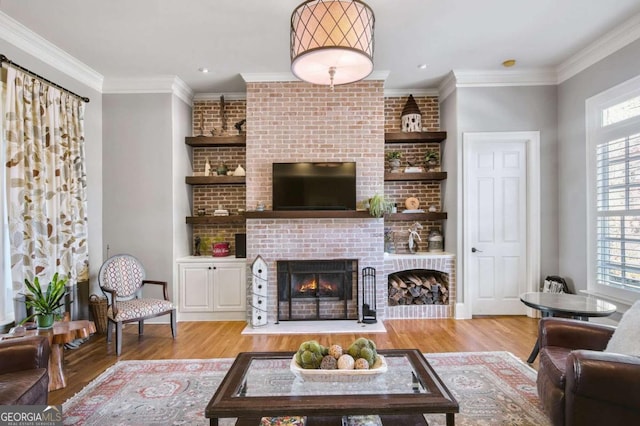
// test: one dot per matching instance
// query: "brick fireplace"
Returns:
(294, 122)
(299, 122)
(317, 289)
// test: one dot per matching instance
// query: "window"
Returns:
(613, 133)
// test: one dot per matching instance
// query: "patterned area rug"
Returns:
(493, 388)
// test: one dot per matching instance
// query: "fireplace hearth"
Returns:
(317, 289)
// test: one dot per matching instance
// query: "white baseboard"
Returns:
(462, 311)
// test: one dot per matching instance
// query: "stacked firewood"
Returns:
(411, 289)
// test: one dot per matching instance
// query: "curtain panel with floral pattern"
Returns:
(46, 181)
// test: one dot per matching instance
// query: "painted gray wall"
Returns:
(181, 113)
(449, 187)
(93, 147)
(572, 212)
(138, 180)
(532, 108)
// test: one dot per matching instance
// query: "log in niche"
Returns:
(418, 287)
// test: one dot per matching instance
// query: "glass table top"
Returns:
(574, 304)
(273, 377)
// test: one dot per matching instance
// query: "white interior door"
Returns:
(496, 222)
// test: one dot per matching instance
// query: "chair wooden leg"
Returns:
(109, 331)
(118, 338)
(140, 327)
(174, 327)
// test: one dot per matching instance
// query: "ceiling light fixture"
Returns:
(332, 41)
(422, 66)
(203, 70)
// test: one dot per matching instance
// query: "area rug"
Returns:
(492, 388)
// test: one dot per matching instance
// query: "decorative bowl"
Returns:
(343, 376)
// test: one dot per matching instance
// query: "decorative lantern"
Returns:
(411, 117)
(369, 295)
(436, 242)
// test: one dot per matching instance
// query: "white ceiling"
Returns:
(148, 38)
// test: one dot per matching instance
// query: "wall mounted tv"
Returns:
(314, 186)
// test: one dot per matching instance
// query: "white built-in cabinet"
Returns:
(211, 288)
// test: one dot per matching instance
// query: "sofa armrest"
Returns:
(24, 353)
(604, 377)
(574, 334)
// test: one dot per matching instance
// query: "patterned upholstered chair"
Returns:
(121, 278)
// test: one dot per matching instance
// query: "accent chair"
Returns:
(122, 278)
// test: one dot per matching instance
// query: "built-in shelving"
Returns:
(206, 220)
(416, 216)
(212, 141)
(214, 180)
(308, 214)
(388, 176)
(415, 137)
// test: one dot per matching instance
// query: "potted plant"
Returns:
(394, 160)
(378, 206)
(431, 158)
(45, 303)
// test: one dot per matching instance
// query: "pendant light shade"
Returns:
(332, 41)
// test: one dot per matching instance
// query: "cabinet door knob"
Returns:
(210, 267)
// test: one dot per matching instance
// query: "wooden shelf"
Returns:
(388, 176)
(211, 141)
(204, 220)
(214, 180)
(415, 137)
(308, 214)
(415, 216)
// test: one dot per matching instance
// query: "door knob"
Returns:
(475, 250)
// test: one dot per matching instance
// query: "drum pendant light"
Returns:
(332, 41)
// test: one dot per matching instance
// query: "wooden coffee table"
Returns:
(261, 384)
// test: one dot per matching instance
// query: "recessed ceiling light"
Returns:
(203, 70)
(422, 66)
(509, 63)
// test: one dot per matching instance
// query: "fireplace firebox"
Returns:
(317, 289)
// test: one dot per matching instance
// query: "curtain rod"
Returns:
(13, 64)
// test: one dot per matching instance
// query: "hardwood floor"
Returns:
(516, 334)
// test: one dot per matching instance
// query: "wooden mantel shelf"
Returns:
(415, 137)
(214, 180)
(210, 141)
(308, 214)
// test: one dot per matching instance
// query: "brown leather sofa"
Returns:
(578, 384)
(24, 379)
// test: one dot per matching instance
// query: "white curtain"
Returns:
(6, 288)
(45, 181)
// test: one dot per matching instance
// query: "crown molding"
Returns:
(182, 90)
(485, 78)
(272, 77)
(614, 40)
(447, 86)
(233, 96)
(23, 38)
(155, 84)
(399, 93)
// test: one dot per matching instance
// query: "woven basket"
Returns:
(99, 311)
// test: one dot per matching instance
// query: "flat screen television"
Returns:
(314, 186)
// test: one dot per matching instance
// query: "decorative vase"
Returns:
(44, 320)
(239, 171)
(394, 164)
(222, 170)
